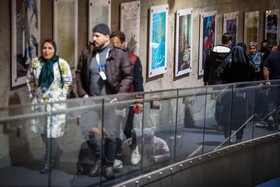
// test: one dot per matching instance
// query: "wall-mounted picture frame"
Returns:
(158, 40)
(99, 12)
(272, 22)
(65, 31)
(130, 25)
(207, 37)
(26, 37)
(251, 27)
(231, 26)
(184, 32)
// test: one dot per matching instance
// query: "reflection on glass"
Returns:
(148, 132)
(155, 151)
(89, 155)
(50, 128)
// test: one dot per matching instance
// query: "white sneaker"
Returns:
(118, 164)
(261, 124)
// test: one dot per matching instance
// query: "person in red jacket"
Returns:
(118, 40)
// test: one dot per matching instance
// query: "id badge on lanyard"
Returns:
(102, 73)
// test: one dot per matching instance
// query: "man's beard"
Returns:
(100, 47)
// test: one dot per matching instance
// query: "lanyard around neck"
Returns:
(255, 57)
(98, 59)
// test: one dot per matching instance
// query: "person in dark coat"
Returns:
(272, 72)
(118, 40)
(241, 69)
(214, 65)
(104, 70)
(215, 61)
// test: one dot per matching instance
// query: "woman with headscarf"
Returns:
(48, 80)
(257, 60)
(241, 69)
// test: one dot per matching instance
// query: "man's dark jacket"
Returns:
(119, 71)
(214, 64)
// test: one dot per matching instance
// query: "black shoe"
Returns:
(95, 170)
(109, 173)
(45, 170)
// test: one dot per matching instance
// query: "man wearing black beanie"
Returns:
(103, 70)
(99, 31)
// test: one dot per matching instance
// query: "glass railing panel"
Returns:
(122, 143)
(159, 124)
(184, 122)
(217, 116)
(267, 109)
(190, 122)
(19, 111)
(78, 150)
(243, 112)
(24, 148)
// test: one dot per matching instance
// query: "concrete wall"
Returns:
(166, 81)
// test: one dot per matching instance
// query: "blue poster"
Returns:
(208, 36)
(158, 40)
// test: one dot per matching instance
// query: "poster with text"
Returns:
(99, 12)
(25, 38)
(183, 62)
(158, 40)
(207, 37)
(130, 25)
(231, 26)
(272, 25)
(251, 27)
(66, 30)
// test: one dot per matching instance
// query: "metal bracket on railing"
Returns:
(78, 120)
(192, 102)
(19, 128)
(219, 98)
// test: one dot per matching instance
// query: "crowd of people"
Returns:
(229, 65)
(104, 67)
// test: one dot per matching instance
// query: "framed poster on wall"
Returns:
(251, 27)
(207, 37)
(130, 25)
(183, 62)
(99, 12)
(272, 25)
(231, 26)
(25, 38)
(66, 30)
(158, 40)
